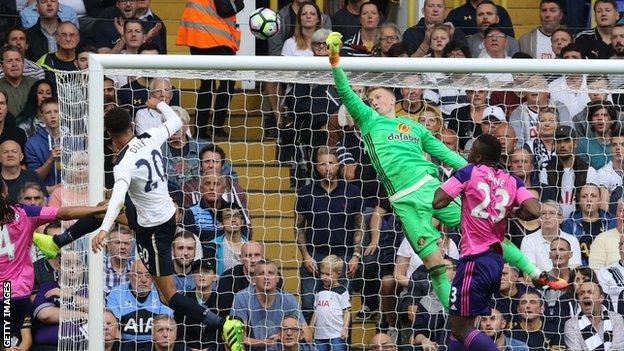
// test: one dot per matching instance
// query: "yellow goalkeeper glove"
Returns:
(334, 42)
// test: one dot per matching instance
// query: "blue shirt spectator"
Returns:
(43, 149)
(29, 15)
(134, 304)
(227, 247)
(264, 323)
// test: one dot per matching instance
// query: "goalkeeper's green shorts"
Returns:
(416, 212)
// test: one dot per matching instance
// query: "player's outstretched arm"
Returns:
(359, 111)
(434, 147)
(114, 207)
(172, 120)
(77, 212)
(529, 210)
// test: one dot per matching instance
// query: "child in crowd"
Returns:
(332, 305)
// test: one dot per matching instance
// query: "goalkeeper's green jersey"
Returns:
(395, 145)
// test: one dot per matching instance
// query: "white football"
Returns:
(264, 23)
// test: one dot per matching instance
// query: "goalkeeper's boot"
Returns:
(232, 331)
(547, 279)
(47, 246)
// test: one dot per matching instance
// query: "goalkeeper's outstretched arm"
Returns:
(359, 111)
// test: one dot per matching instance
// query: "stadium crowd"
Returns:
(567, 147)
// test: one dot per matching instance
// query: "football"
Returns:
(264, 23)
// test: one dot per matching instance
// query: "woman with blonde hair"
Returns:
(431, 118)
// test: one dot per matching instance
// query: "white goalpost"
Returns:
(459, 74)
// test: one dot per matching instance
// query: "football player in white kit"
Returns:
(139, 172)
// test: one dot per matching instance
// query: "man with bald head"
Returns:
(14, 176)
(238, 277)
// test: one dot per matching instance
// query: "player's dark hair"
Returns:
(228, 206)
(212, 148)
(117, 121)
(489, 148)
(454, 45)
(7, 213)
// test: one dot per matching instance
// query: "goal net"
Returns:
(527, 104)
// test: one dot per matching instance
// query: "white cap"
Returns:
(494, 112)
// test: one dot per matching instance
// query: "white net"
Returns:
(263, 176)
(73, 108)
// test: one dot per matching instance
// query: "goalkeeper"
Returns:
(396, 147)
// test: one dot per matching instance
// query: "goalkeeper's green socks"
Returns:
(515, 257)
(440, 283)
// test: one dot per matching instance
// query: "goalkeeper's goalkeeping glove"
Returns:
(334, 42)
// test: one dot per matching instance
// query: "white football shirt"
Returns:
(544, 47)
(140, 172)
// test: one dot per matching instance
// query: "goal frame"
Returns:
(98, 63)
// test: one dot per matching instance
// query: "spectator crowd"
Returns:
(564, 138)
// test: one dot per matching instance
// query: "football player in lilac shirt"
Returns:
(489, 194)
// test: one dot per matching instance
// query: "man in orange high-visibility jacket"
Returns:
(206, 33)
